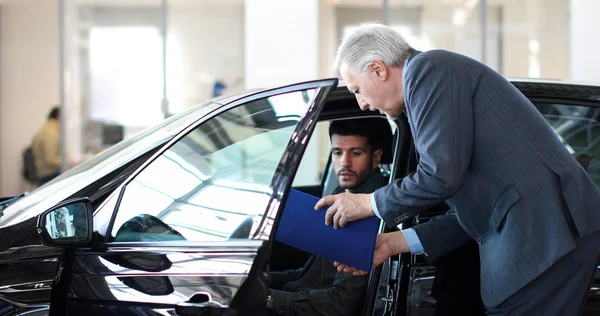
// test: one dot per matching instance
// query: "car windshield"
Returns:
(96, 167)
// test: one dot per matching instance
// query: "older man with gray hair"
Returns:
(486, 152)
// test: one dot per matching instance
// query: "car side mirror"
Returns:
(67, 224)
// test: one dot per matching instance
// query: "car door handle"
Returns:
(200, 303)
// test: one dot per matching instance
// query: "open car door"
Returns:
(189, 232)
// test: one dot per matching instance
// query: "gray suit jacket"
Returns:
(489, 154)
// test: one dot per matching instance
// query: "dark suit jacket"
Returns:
(489, 154)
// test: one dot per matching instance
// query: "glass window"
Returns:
(215, 183)
(579, 130)
(312, 167)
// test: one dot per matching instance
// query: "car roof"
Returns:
(558, 90)
(531, 87)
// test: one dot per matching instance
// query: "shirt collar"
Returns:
(370, 184)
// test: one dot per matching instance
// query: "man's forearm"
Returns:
(441, 235)
(397, 243)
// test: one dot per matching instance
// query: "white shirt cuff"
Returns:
(374, 206)
(413, 241)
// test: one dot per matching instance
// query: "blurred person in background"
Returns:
(46, 148)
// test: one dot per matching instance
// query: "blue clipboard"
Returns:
(304, 228)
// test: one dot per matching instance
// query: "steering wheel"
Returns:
(243, 231)
(145, 227)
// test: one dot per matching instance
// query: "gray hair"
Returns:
(371, 41)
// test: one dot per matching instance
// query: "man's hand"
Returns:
(387, 245)
(345, 207)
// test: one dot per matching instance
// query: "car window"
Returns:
(215, 183)
(312, 167)
(579, 130)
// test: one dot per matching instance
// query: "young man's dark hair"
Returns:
(376, 130)
(54, 113)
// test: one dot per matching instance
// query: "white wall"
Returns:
(585, 40)
(525, 25)
(29, 80)
(328, 39)
(288, 41)
(554, 38)
(205, 42)
(281, 42)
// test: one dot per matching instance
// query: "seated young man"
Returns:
(318, 288)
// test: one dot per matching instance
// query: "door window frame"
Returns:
(285, 170)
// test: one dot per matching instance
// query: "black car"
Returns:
(180, 219)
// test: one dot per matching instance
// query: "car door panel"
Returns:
(159, 276)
